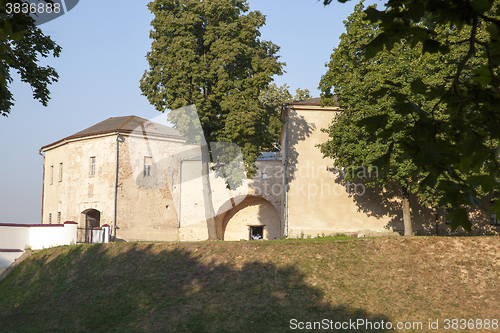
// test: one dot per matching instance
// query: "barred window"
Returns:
(60, 172)
(59, 217)
(50, 218)
(92, 166)
(148, 161)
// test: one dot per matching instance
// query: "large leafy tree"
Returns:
(358, 136)
(275, 96)
(209, 54)
(21, 45)
(458, 144)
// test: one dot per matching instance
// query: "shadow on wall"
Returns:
(298, 129)
(269, 218)
(380, 202)
(424, 219)
(375, 201)
(168, 290)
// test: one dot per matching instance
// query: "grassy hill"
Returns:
(257, 286)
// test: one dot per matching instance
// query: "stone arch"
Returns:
(253, 212)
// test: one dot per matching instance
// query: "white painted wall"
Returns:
(43, 236)
(7, 258)
(101, 235)
(192, 200)
(14, 237)
(36, 236)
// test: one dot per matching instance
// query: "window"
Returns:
(92, 166)
(60, 172)
(493, 216)
(59, 217)
(256, 232)
(50, 218)
(51, 175)
(148, 161)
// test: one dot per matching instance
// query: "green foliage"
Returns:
(208, 53)
(21, 44)
(450, 131)
(363, 134)
(274, 97)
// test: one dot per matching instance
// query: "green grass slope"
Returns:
(255, 286)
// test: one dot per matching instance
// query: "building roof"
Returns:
(125, 124)
(313, 101)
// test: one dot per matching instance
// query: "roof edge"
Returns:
(101, 133)
(74, 136)
(316, 101)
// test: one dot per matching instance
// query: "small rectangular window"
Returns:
(256, 232)
(59, 217)
(92, 166)
(60, 171)
(493, 216)
(50, 218)
(148, 161)
(51, 174)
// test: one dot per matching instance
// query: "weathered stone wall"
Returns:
(162, 206)
(145, 205)
(78, 191)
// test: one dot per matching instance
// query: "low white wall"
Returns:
(36, 236)
(14, 236)
(8, 257)
(100, 235)
(60, 234)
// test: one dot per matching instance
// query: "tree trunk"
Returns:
(406, 212)
(437, 221)
(207, 193)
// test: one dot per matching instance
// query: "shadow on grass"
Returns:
(160, 288)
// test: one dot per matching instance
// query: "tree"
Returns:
(460, 143)
(21, 44)
(358, 136)
(209, 54)
(274, 97)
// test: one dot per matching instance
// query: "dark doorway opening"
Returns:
(256, 232)
(92, 220)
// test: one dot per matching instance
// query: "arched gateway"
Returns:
(253, 218)
(91, 218)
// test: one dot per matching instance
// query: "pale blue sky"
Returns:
(104, 46)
